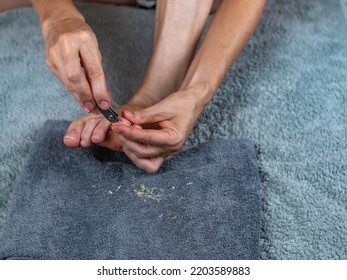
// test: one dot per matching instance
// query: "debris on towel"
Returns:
(145, 192)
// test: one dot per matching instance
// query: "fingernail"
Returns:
(129, 114)
(71, 135)
(88, 106)
(104, 105)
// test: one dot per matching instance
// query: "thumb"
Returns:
(153, 114)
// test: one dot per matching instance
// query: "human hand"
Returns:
(73, 55)
(170, 122)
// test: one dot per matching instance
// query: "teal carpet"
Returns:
(287, 92)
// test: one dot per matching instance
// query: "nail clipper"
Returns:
(109, 114)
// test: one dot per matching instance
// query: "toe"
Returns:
(100, 131)
(73, 133)
(87, 132)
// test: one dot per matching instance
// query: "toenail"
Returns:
(71, 135)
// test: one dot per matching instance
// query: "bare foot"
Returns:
(94, 129)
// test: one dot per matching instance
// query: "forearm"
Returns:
(230, 30)
(49, 10)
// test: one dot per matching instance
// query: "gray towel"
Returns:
(92, 203)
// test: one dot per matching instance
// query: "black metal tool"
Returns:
(109, 114)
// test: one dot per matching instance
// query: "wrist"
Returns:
(53, 14)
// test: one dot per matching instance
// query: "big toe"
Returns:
(71, 139)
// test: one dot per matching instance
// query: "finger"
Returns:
(73, 134)
(137, 126)
(91, 61)
(124, 121)
(157, 137)
(71, 74)
(143, 151)
(153, 114)
(149, 165)
(105, 137)
(77, 84)
(52, 60)
(87, 132)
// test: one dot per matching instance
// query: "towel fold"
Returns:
(92, 203)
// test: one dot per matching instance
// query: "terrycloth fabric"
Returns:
(286, 92)
(94, 204)
(344, 7)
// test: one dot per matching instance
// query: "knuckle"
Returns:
(176, 140)
(50, 51)
(86, 36)
(70, 86)
(73, 75)
(142, 117)
(141, 153)
(93, 72)
(145, 139)
(82, 98)
(64, 38)
(139, 116)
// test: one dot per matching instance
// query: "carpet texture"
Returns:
(287, 92)
(95, 204)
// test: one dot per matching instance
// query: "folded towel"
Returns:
(92, 203)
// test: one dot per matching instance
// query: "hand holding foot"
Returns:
(171, 119)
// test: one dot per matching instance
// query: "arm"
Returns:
(48, 9)
(175, 116)
(72, 52)
(230, 30)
